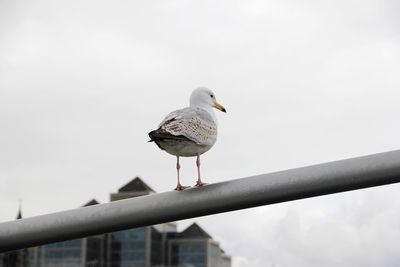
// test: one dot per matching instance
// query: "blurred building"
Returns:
(195, 247)
(150, 246)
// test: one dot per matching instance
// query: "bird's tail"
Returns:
(151, 135)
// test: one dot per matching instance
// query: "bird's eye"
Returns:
(212, 96)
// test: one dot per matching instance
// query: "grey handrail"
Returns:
(299, 183)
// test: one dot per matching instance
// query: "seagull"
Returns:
(191, 131)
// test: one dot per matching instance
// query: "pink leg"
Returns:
(179, 187)
(199, 182)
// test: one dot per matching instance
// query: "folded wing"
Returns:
(194, 124)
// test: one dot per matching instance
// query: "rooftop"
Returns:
(136, 185)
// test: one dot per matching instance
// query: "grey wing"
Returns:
(194, 123)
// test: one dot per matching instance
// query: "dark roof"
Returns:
(19, 215)
(91, 202)
(136, 185)
(194, 231)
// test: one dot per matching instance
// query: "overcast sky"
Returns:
(304, 82)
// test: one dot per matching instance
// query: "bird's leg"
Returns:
(179, 187)
(199, 182)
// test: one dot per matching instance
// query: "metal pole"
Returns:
(317, 180)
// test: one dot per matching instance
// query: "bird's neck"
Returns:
(207, 108)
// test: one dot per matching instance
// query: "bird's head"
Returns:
(204, 97)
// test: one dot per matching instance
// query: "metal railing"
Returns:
(299, 183)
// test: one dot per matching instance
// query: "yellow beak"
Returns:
(219, 106)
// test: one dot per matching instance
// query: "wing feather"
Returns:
(196, 124)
